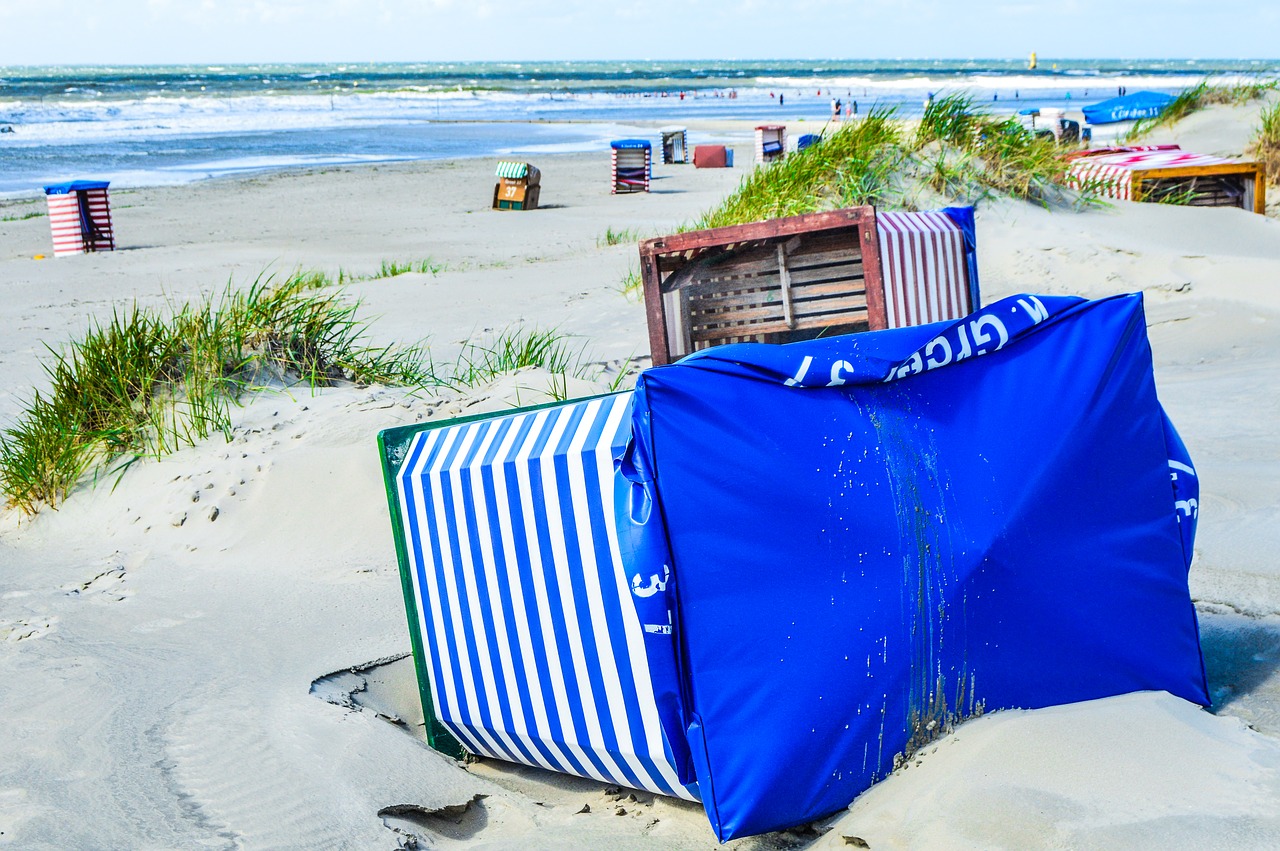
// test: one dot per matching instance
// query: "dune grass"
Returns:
(1198, 97)
(955, 150)
(631, 285)
(617, 237)
(1266, 143)
(146, 383)
(513, 349)
(393, 268)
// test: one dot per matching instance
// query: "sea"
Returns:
(164, 125)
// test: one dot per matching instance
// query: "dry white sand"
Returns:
(176, 647)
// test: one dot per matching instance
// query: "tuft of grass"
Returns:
(632, 284)
(1266, 143)
(314, 279)
(146, 384)
(951, 119)
(392, 268)
(1196, 98)
(514, 349)
(617, 237)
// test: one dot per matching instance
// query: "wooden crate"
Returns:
(778, 281)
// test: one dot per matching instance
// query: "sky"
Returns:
(62, 32)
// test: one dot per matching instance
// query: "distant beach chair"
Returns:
(807, 140)
(802, 277)
(1168, 174)
(675, 145)
(771, 142)
(632, 165)
(518, 187)
(80, 217)
(712, 156)
(1051, 122)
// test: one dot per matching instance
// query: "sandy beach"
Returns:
(210, 651)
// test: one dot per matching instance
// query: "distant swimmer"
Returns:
(6, 128)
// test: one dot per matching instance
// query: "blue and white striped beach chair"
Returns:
(529, 647)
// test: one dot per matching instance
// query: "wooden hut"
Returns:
(806, 276)
(80, 217)
(632, 165)
(518, 187)
(1166, 173)
(675, 145)
(771, 142)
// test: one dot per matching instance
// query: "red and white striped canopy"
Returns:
(1110, 173)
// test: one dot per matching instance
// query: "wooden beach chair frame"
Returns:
(1148, 184)
(517, 193)
(783, 280)
(1151, 184)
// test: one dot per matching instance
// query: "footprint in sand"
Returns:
(24, 629)
(107, 587)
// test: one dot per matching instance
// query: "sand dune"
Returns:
(178, 646)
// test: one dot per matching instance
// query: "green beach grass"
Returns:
(1198, 97)
(1266, 143)
(146, 383)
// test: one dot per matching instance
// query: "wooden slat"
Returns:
(836, 248)
(877, 316)
(808, 223)
(700, 319)
(753, 298)
(763, 330)
(1242, 168)
(828, 280)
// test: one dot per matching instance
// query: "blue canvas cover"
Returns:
(864, 539)
(1127, 108)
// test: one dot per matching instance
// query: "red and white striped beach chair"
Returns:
(1166, 173)
(80, 217)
